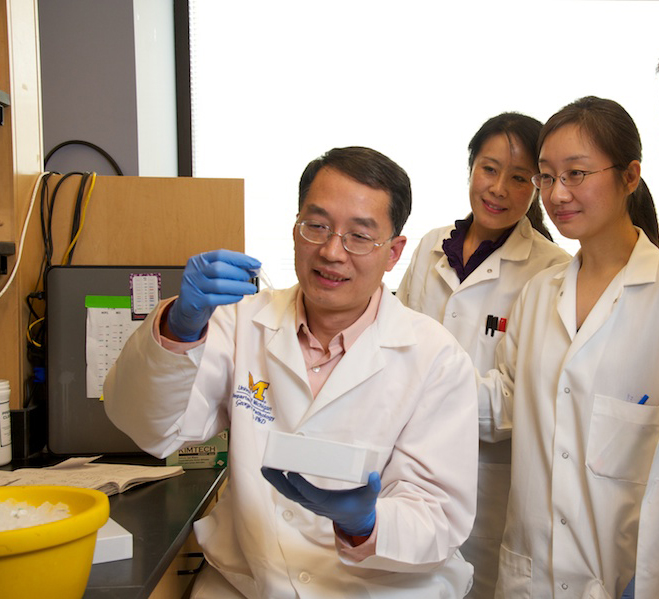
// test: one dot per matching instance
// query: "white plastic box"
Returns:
(319, 457)
(113, 542)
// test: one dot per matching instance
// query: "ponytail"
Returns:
(537, 217)
(643, 213)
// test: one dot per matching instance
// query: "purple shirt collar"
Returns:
(453, 247)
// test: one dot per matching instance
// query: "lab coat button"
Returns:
(563, 521)
(454, 314)
(304, 577)
(567, 389)
(566, 455)
(564, 586)
(287, 515)
(489, 271)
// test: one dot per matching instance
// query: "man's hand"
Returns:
(209, 280)
(352, 510)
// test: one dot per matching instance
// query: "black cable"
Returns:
(36, 332)
(36, 329)
(36, 325)
(51, 206)
(48, 250)
(81, 142)
(30, 298)
(77, 209)
(47, 209)
(75, 222)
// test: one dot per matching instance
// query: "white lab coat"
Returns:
(405, 388)
(431, 286)
(582, 445)
(647, 564)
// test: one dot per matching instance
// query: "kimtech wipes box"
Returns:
(210, 454)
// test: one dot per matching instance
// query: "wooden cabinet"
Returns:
(177, 582)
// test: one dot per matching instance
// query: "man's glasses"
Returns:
(355, 243)
(569, 178)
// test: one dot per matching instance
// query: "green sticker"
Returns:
(107, 301)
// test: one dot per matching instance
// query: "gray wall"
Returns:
(108, 78)
(88, 83)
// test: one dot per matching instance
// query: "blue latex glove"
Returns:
(352, 510)
(209, 280)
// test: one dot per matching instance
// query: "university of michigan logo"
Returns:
(253, 397)
(257, 389)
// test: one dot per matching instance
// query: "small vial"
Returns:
(5, 424)
(263, 278)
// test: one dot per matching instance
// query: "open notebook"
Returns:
(82, 472)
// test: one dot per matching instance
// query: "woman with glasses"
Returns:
(467, 277)
(577, 381)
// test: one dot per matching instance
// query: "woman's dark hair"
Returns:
(525, 130)
(368, 167)
(613, 131)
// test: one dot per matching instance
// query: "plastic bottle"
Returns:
(5, 424)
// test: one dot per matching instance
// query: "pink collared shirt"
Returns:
(318, 362)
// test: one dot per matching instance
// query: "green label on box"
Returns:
(210, 454)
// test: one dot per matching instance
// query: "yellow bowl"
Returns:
(51, 560)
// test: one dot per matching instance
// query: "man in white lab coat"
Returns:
(336, 357)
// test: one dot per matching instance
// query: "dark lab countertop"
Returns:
(159, 515)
